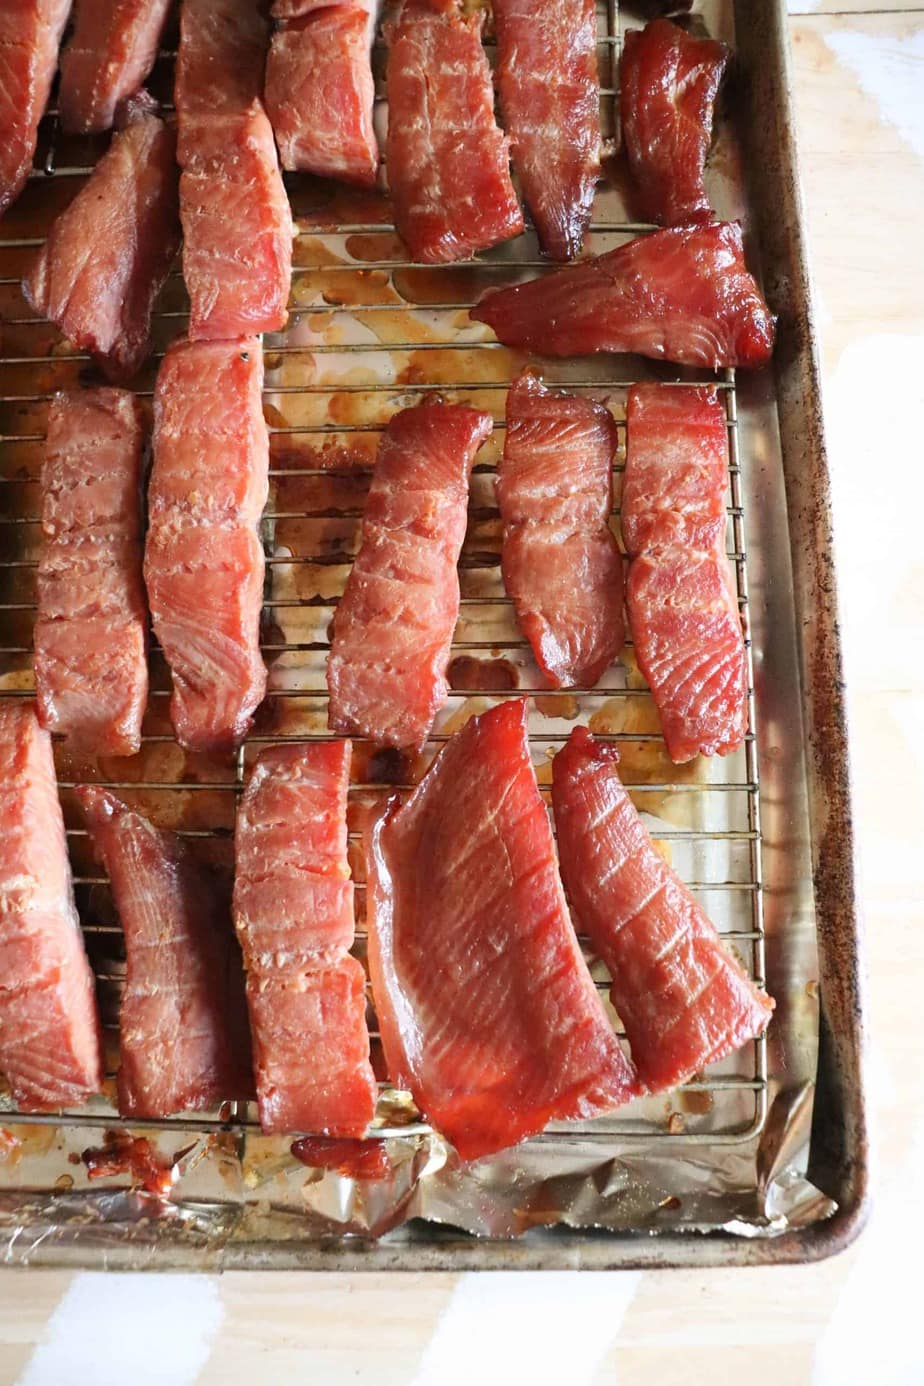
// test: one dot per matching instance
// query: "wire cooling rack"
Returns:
(370, 332)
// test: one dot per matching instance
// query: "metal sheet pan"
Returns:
(765, 835)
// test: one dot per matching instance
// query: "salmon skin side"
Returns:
(320, 91)
(183, 1040)
(237, 223)
(448, 163)
(109, 252)
(668, 84)
(561, 564)
(486, 1008)
(683, 999)
(550, 103)
(683, 294)
(50, 1047)
(394, 624)
(680, 593)
(91, 672)
(293, 909)
(107, 59)
(203, 561)
(30, 31)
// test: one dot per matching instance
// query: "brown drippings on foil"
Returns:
(8, 1143)
(353, 1159)
(696, 1103)
(132, 1155)
(482, 675)
(558, 705)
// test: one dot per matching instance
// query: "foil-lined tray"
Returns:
(763, 1157)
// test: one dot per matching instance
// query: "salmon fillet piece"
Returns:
(394, 624)
(680, 592)
(183, 1037)
(237, 223)
(204, 562)
(486, 1009)
(550, 103)
(561, 563)
(293, 908)
(319, 88)
(683, 999)
(668, 83)
(108, 253)
(107, 59)
(91, 672)
(50, 1047)
(448, 166)
(30, 31)
(683, 294)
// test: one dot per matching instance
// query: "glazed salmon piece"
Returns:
(319, 88)
(684, 1000)
(50, 1049)
(107, 58)
(30, 31)
(448, 163)
(109, 252)
(683, 294)
(550, 104)
(680, 591)
(183, 1037)
(91, 673)
(204, 562)
(293, 907)
(486, 1009)
(561, 563)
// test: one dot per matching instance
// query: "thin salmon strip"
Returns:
(668, 83)
(237, 223)
(91, 673)
(50, 1048)
(394, 624)
(550, 103)
(109, 252)
(561, 563)
(30, 31)
(183, 1038)
(486, 1009)
(319, 88)
(293, 907)
(683, 999)
(683, 294)
(107, 59)
(204, 563)
(448, 165)
(680, 592)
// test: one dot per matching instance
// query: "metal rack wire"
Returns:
(369, 333)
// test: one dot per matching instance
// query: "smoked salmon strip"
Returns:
(237, 223)
(669, 81)
(108, 253)
(49, 1029)
(680, 592)
(682, 294)
(91, 673)
(319, 88)
(293, 908)
(561, 563)
(448, 165)
(486, 1009)
(30, 32)
(203, 562)
(550, 104)
(394, 624)
(183, 1039)
(107, 59)
(683, 999)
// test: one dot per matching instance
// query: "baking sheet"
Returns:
(368, 334)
